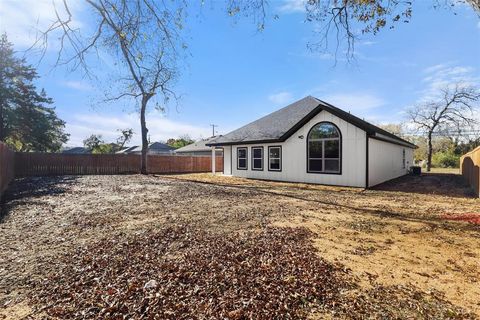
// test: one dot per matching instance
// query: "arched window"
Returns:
(324, 145)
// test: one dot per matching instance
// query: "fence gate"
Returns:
(470, 168)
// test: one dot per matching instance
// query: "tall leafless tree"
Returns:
(450, 114)
(143, 36)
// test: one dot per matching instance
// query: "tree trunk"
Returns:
(430, 152)
(3, 101)
(143, 125)
(2, 135)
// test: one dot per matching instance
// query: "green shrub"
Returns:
(446, 159)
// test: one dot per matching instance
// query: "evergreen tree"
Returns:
(27, 120)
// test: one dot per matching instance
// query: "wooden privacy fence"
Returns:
(7, 171)
(183, 164)
(470, 168)
(44, 164)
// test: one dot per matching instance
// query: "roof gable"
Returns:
(281, 124)
(362, 124)
(272, 126)
(158, 146)
(200, 145)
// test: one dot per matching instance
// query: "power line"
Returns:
(213, 128)
(446, 133)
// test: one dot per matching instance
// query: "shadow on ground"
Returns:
(445, 184)
(314, 196)
(33, 187)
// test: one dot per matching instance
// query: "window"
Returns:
(324, 149)
(275, 158)
(242, 158)
(257, 158)
(403, 159)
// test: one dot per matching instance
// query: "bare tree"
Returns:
(141, 35)
(448, 115)
(394, 128)
(124, 138)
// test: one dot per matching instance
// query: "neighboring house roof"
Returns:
(160, 147)
(156, 147)
(281, 124)
(127, 149)
(76, 150)
(198, 146)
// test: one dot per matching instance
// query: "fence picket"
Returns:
(46, 164)
(6, 167)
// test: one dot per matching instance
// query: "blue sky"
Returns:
(234, 74)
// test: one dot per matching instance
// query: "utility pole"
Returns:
(213, 128)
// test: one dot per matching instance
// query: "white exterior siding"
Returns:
(227, 167)
(294, 157)
(386, 161)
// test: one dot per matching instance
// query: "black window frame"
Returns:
(280, 159)
(246, 158)
(253, 158)
(404, 159)
(340, 154)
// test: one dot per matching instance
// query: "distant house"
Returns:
(312, 141)
(76, 150)
(199, 148)
(127, 150)
(154, 148)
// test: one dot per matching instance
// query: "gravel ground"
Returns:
(197, 246)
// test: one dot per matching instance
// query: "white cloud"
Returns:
(292, 6)
(435, 68)
(445, 75)
(160, 128)
(22, 20)
(355, 102)
(366, 43)
(77, 85)
(316, 55)
(281, 98)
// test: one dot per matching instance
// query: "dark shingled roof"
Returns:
(281, 124)
(158, 146)
(76, 150)
(200, 145)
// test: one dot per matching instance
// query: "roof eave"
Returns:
(394, 141)
(322, 105)
(282, 138)
(233, 143)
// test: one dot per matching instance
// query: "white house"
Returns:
(199, 148)
(314, 142)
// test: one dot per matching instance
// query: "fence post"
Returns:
(7, 167)
(214, 160)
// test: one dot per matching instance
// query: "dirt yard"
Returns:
(201, 246)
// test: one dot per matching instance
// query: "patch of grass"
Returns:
(443, 170)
